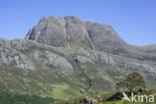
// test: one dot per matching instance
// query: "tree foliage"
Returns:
(134, 80)
(16, 98)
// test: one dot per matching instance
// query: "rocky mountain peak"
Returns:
(71, 31)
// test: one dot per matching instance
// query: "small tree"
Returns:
(134, 80)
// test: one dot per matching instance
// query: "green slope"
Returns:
(48, 79)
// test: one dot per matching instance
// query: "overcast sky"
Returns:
(133, 20)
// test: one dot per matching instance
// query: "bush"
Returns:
(16, 98)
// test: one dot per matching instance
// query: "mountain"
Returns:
(66, 57)
(72, 32)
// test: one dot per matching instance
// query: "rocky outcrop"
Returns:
(105, 59)
(10, 56)
(14, 53)
(52, 59)
(94, 57)
(89, 100)
(139, 67)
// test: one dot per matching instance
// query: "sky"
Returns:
(133, 20)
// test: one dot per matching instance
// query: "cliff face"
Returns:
(71, 31)
(69, 57)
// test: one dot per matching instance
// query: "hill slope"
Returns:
(29, 67)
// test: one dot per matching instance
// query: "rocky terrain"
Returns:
(63, 57)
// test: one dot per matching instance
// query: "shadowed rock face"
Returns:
(67, 31)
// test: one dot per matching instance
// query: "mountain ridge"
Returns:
(72, 28)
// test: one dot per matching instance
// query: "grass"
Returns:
(111, 102)
(58, 83)
(124, 102)
(59, 90)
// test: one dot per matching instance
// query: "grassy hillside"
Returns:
(94, 72)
